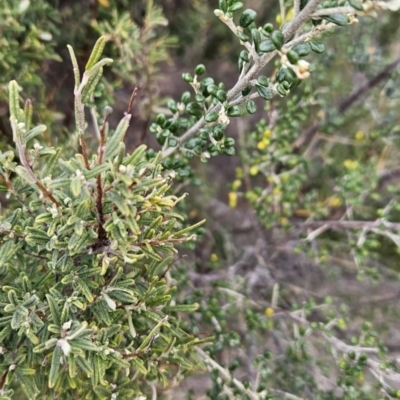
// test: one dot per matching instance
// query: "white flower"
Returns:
(65, 346)
(223, 118)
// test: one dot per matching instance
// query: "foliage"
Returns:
(86, 246)
(33, 48)
(88, 240)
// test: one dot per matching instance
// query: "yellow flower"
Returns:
(269, 312)
(359, 135)
(254, 170)
(193, 213)
(334, 201)
(236, 184)
(251, 196)
(341, 324)
(351, 164)
(284, 221)
(104, 3)
(289, 15)
(277, 191)
(232, 199)
(213, 257)
(267, 134)
(239, 173)
(262, 144)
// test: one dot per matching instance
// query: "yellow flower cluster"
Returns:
(351, 164)
(359, 135)
(269, 312)
(334, 201)
(236, 184)
(264, 142)
(104, 3)
(254, 170)
(288, 17)
(232, 199)
(214, 257)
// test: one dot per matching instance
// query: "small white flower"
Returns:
(223, 118)
(181, 107)
(67, 325)
(65, 346)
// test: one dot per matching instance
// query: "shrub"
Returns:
(87, 243)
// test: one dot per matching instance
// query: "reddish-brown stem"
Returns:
(24, 161)
(99, 202)
(84, 151)
(131, 100)
(170, 265)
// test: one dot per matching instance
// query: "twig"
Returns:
(343, 107)
(24, 161)
(131, 100)
(334, 10)
(99, 201)
(338, 224)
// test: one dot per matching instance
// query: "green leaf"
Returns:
(84, 365)
(194, 109)
(251, 107)
(33, 133)
(94, 172)
(96, 52)
(243, 37)
(27, 382)
(302, 49)
(221, 95)
(112, 144)
(51, 163)
(292, 56)
(25, 175)
(188, 229)
(244, 55)
(264, 92)
(91, 85)
(74, 65)
(317, 47)
(234, 111)
(211, 116)
(55, 366)
(235, 7)
(7, 251)
(255, 34)
(200, 70)
(277, 39)
(181, 308)
(136, 156)
(247, 18)
(14, 99)
(54, 310)
(356, 5)
(266, 46)
(263, 80)
(338, 19)
(84, 344)
(223, 5)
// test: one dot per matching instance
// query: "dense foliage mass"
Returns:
(94, 301)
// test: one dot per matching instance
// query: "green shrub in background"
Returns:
(88, 308)
(32, 50)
